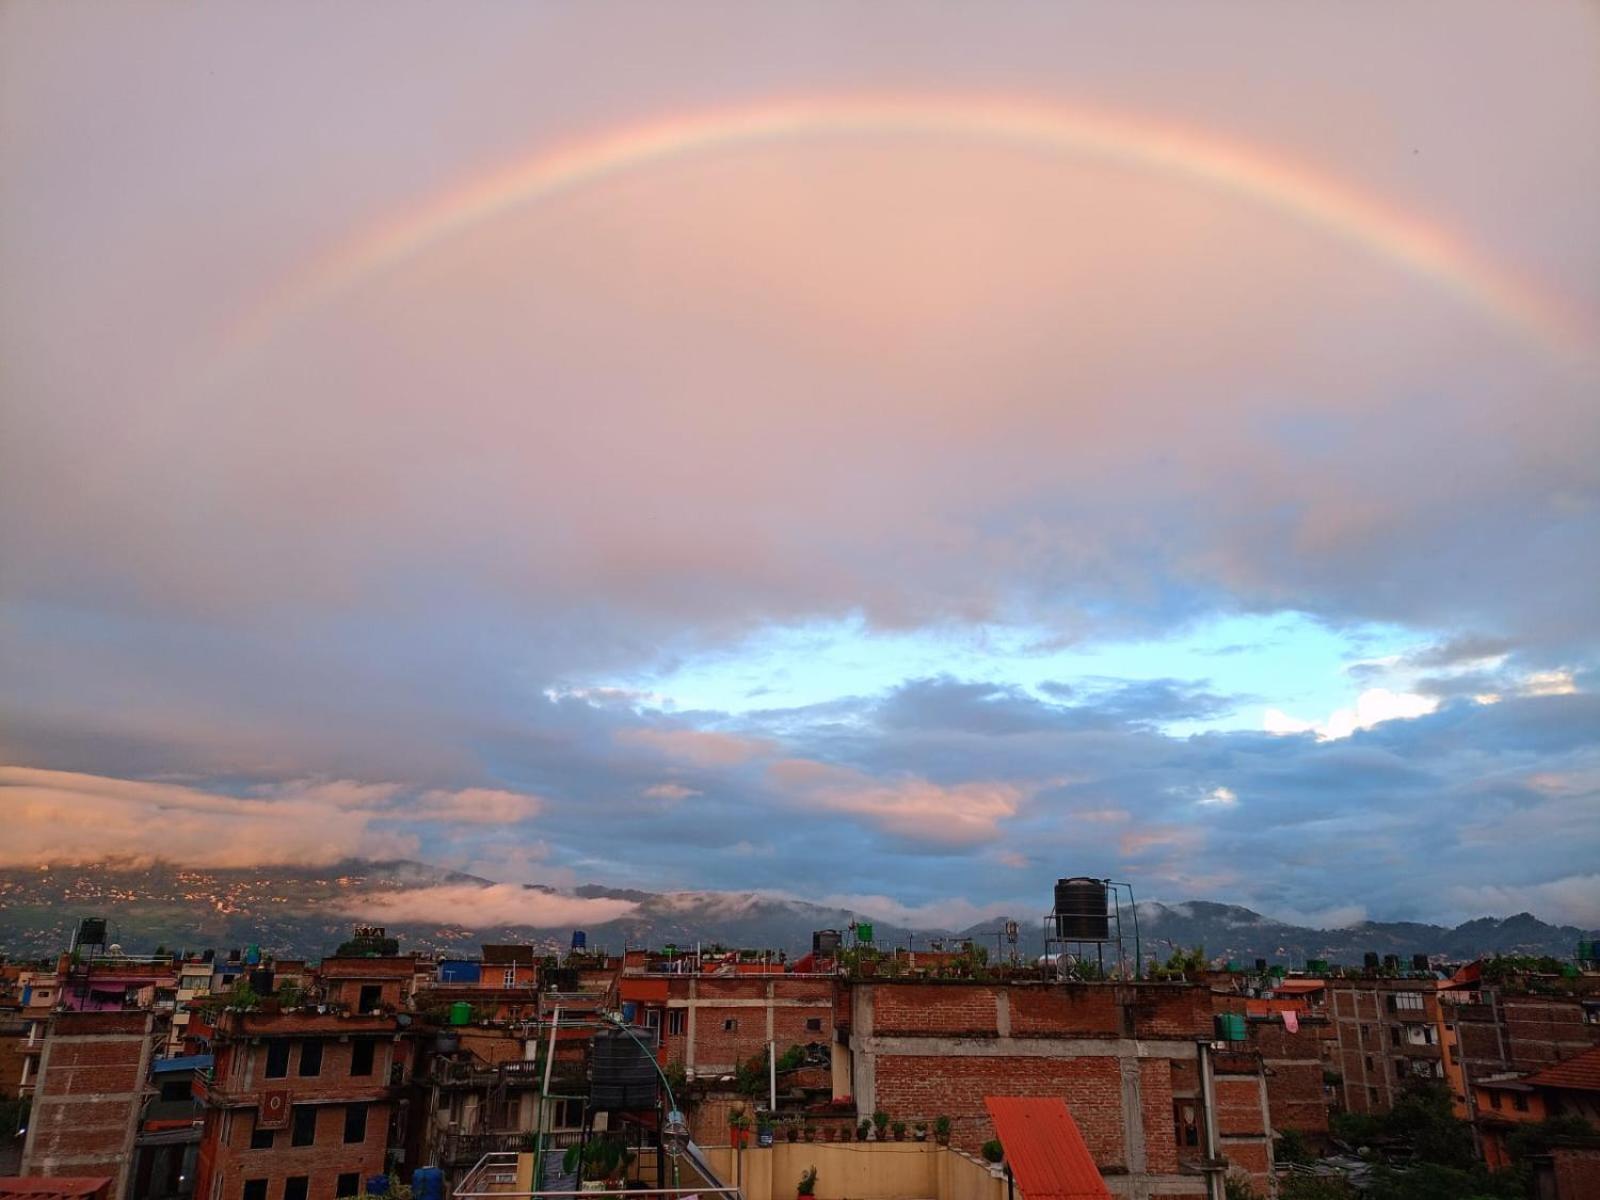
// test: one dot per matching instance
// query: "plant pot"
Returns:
(792, 1134)
(942, 1138)
(738, 1138)
(811, 1135)
(899, 1135)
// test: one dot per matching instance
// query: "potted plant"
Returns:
(764, 1131)
(880, 1122)
(862, 1130)
(738, 1128)
(941, 1129)
(791, 1129)
(993, 1151)
(807, 1186)
(809, 1133)
(899, 1128)
(919, 1131)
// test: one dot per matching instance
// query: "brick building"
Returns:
(1390, 1034)
(1124, 1057)
(1493, 1029)
(711, 1023)
(303, 1105)
(89, 1094)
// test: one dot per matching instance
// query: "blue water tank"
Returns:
(427, 1183)
(377, 1185)
(252, 956)
(630, 1010)
(580, 940)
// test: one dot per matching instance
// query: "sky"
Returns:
(888, 454)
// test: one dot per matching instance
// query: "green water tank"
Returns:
(1228, 1027)
(863, 931)
(461, 1013)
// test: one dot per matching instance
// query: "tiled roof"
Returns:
(1579, 1073)
(1045, 1149)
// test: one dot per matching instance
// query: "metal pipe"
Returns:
(772, 1077)
(1216, 1187)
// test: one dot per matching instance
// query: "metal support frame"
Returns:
(1114, 890)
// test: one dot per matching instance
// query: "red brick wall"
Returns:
(323, 1162)
(951, 1010)
(1064, 1012)
(1155, 1092)
(920, 1087)
(1239, 1106)
(1577, 1174)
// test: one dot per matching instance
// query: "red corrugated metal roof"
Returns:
(1580, 1073)
(1045, 1149)
(1300, 985)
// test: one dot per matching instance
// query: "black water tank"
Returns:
(1080, 911)
(825, 942)
(1391, 962)
(1261, 966)
(261, 982)
(1370, 960)
(92, 931)
(1419, 962)
(623, 1072)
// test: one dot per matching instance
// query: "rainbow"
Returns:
(1424, 248)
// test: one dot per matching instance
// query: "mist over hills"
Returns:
(306, 912)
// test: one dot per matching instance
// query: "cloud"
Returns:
(1372, 707)
(474, 806)
(670, 791)
(66, 817)
(474, 907)
(953, 914)
(697, 747)
(1219, 797)
(913, 808)
(1572, 898)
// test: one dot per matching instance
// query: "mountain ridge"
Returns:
(306, 912)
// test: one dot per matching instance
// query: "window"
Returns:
(1394, 1034)
(1186, 1123)
(262, 1139)
(1494, 1099)
(1369, 1062)
(1408, 1000)
(355, 1123)
(1519, 1102)
(362, 1051)
(277, 1058)
(311, 1057)
(510, 977)
(731, 1025)
(652, 1018)
(676, 1021)
(305, 1126)
(254, 1189)
(176, 1089)
(813, 1024)
(349, 1185)
(371, 997)
(568, 1114)
(296, 1186)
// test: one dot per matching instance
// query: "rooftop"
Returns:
(1581, 1073)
